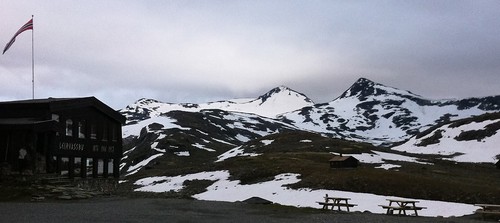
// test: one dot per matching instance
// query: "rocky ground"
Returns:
(51, 188)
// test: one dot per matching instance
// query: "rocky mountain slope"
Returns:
(366, 112)
(473, 139)
(382, 115)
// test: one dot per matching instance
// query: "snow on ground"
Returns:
(267, 142)
(237, 151)
(182, 153)
(381, 157)
(376, 157)
(224, 189)
(388, 166)
(135, 129)
(472, 151)
(200, 146)
(135, 168)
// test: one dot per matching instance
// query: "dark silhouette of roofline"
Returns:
(57, 104)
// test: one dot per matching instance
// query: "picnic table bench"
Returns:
(401, 206)
(488, 209)
(336, 202)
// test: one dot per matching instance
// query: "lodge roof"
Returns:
(58, 104)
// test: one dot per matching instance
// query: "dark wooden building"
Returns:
(68, 136)
(340, 161)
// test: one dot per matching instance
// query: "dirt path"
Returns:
(120, 209)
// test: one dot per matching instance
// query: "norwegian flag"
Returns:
(27, 26)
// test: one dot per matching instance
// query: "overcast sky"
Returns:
(208, 50)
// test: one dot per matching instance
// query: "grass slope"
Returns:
(308, 154)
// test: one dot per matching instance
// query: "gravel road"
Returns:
(120, 209)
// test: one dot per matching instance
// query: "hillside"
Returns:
(382, 172)
(187, 141)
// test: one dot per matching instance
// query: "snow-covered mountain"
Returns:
(366, 112)
(375, 113)
(278, 100)
(474, 139)
(156, 128)
(231, 146)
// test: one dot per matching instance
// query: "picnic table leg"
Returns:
(389, 211)
(403, 208)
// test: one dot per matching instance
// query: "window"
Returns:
(69, 127)
(81, 129)
(93, 131)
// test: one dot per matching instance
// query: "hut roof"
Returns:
(341, 158)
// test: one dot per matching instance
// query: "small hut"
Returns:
(340, 161)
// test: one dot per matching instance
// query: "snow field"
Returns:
(276, 191)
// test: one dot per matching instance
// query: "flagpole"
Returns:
(32, 62)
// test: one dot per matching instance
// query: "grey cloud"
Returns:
(193, 51)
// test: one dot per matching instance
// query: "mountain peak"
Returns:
(146, 101)
(365, 81)
(284, 91)
(362, 88)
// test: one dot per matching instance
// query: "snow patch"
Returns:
(471, 151)
(237, 151)
(135, 168)
(267, 142)
(182, 153)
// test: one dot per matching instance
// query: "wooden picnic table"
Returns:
(488, 209)
(337, 202)
(401, 206)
